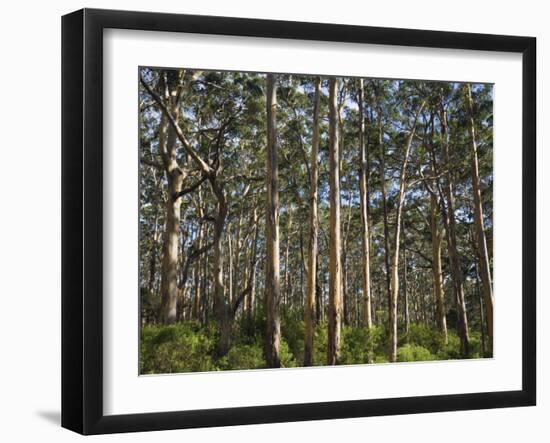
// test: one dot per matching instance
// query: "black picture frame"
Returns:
(82, 215)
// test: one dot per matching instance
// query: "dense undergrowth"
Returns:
(191, 347)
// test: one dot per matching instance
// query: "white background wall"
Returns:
(30, 226)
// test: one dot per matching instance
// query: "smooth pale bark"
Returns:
(394, 266)
(222, 305)
(484, 267)
(345, 273)
(169, 285)
(287, 294)
(382, 164)
(335, 267)
(236, 260)
(197, 296)
(437, 274)
(200, 241)
(230, 263)
(309, 308)
(481, 314)
(153, 259)
(406, 291)
(363, 193)
(205, 288)
(175, 177)
(252, 267)
(272, 280)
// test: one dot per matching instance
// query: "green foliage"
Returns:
(355, 346)
(190, 347)
(243, 357)
(176, 348)
(410, 352)
(287, 358)
(293, 332)
(422, 335)
(360, 345)
(450, 350)
(320, 343)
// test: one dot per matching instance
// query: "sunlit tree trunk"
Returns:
(174, 175)
(236, 261)
(222, 305)
(153, 258)
(437, 275)
(406, 292)
(196, 271)
(394, 269)
(335, 267)
(229, 273)
(272, 280)
(309, 308)
(252, 267)
(484, 266)
(481, 315)
(382, 168)
(363, 171)
(287, 297)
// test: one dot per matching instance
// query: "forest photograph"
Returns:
(297, 220)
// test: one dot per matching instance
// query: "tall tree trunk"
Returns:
(449, 220)
(406, 291)
(335, 267)
(153, 259)
(272, 281)
(252, 267)
(345, 273)
(363, 193)
(230, 263)
(481, 315)
(205, 302)
(169, 267)
(287, 297)
(394, 270)
(384, 207)
(237, 251)
(197, 305)
(437, 274)
(309, 308)
(485, 270)
(222, 305)
(196, 270)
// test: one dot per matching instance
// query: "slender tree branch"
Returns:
(191, 188)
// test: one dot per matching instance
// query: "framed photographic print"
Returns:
(269, 221)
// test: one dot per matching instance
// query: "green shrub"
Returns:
(377, 337)
(354, 348)
(410, 352)
(243, 357)
(286, 356)
(422, 335)
(176, 348)
(293, 332)
(380, 359)
(450, 350)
